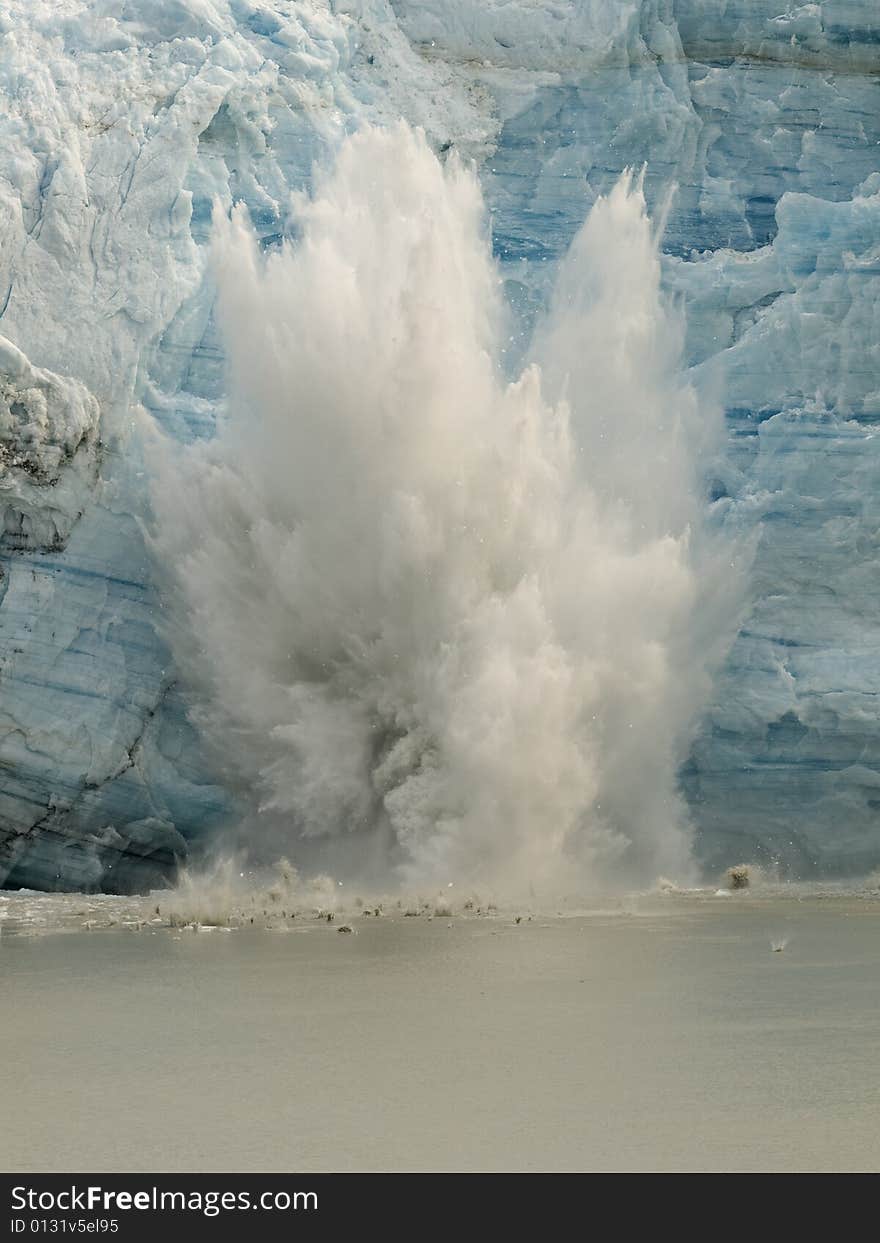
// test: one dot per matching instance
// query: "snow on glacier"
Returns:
(122, 121)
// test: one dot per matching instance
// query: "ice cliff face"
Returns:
(121, 122)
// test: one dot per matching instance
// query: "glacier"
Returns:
(123, 122)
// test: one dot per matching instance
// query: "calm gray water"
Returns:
(663, 1036)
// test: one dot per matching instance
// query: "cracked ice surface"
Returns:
(122, 120)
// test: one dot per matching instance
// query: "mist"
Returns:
(444, 626)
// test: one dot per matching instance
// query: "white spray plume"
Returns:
(469, 622)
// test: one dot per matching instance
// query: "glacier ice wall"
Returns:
(121, 123)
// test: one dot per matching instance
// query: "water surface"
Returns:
(661, 1034)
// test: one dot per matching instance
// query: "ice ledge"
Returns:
(49, 450)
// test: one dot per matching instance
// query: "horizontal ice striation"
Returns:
(789, 763)
(124, 119)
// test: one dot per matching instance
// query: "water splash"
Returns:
(446, 626)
